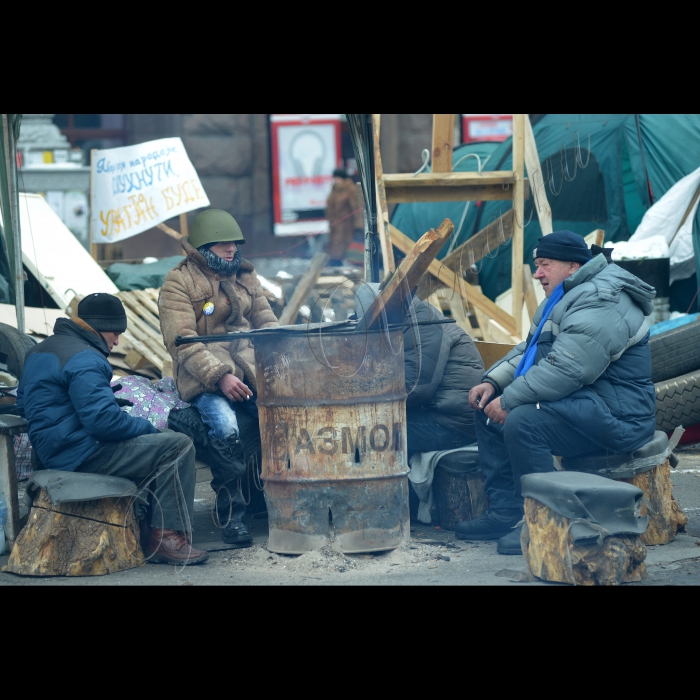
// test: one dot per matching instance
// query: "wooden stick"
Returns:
(469, 293)
(93, 245)
(534, 172)
(170, 231)
(382, 209)
(596, 237)
(418, 258)
(518, 233)
(443, 137)
(481, 244)
(184, 228)
(687, 213)
(529, 292)
(301, 293)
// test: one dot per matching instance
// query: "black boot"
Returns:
(510, 543)
(491, 525)
(230, 509)
(237, 534)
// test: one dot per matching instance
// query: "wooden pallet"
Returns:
(143, 336)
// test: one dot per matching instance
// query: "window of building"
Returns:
(89, 131)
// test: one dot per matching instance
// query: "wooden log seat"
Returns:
(458, 488)
(648, 468)
(582, 529)
(69, 536)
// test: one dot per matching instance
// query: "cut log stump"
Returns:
(552, 555)
(458, 497)
(665, 516)
(83, 538)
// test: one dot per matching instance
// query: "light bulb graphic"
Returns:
(307, 151)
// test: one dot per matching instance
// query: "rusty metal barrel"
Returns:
(332, 405)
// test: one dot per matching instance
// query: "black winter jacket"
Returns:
(447, 365)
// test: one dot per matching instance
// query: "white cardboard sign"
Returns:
(134, 188)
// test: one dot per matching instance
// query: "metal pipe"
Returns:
(18, 271)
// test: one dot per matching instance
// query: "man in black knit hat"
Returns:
(581, 383)
(75, 424)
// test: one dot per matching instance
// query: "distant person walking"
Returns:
(344, 213)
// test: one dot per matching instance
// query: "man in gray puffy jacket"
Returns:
(581, 383)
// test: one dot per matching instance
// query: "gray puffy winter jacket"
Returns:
(593, 364)
(442, 365)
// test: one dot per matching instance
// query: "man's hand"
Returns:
(233, 388)
(495, 413)
(480, 395)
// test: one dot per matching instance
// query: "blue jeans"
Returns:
(524, 444)
(219, 413)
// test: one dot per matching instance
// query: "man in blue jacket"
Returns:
(75, 423)
(581, 383)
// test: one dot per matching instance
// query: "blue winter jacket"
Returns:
(66, 397)
(593, 364)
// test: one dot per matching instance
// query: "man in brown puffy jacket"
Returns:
(344, 213)
(215, 291)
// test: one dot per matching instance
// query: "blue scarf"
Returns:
(528, 358)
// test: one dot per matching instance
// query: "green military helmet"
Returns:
(214, 226)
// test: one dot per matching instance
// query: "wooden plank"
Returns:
(418, 258)
(518, 230)
(456, 304)
(301, 293)
(170, 231)
(184, 227)
(136, 361)
(443, 136)
(493, 352)
(596, 237)
(143, 320)
(147, 301)
(469, 293)
(529, 292)
(151, 319)
(473, 193)
(382, 208)
(481, 244)
(534, 172)
(140, 331)
(455, 179)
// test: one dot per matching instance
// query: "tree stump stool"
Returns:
(553, 556)
(9, 427)
(582, 529)
(78, 537)
(648, 468)
(458, 488)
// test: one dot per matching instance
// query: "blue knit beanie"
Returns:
(563, 245)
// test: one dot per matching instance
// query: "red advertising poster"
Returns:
(486, 127)
(306, 148)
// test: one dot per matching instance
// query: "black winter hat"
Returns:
(103, 312)
(563, 245)
(341, 172)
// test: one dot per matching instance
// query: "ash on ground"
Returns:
(329, 559)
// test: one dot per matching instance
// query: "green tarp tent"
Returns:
(601, 171)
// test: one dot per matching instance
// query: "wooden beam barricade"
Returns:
(382, 208)
(470, 295)
(419, 257)
(518, 223)
(443, 136)
(170, 231)
(301, 293)
(534, 172)
(529, 292)
(481, 244)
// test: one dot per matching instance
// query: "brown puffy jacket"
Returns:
(344, 212)
(239, 305)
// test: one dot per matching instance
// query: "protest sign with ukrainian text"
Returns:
(134, 188)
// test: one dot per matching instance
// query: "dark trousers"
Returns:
(524, 444)
(425, 434)
(163, 463)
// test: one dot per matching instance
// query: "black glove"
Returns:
(123, 402)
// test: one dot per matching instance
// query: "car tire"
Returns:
(675, 352)
(678, 402)
(15, 345)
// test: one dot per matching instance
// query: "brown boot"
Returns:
(172, 547)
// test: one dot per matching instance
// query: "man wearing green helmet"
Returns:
(215, 291)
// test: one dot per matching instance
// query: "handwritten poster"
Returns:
(134, 188)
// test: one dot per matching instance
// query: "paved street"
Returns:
(433, 557)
